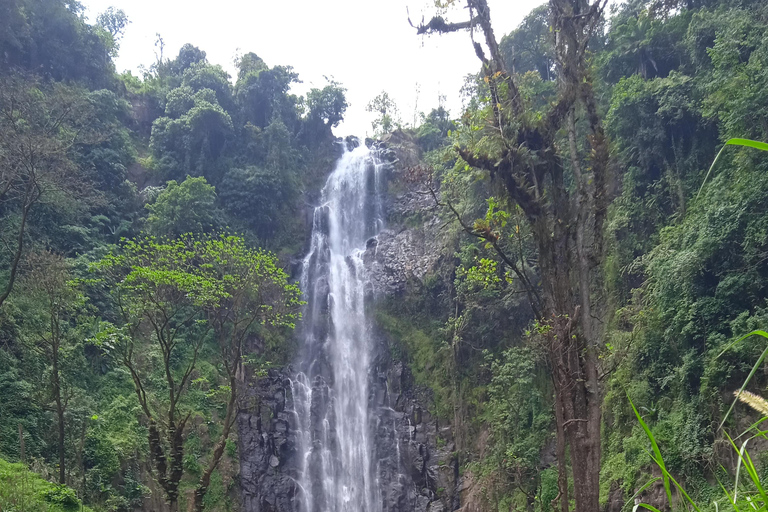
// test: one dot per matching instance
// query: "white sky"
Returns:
(367, 45)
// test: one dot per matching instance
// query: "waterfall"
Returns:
(331, 394)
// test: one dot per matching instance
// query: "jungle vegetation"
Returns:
(593, 280)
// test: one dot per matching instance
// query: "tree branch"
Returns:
(438, 25)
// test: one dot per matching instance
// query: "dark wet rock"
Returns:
(351, 142)
(267, 446)
(415, 474)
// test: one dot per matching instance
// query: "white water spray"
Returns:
(331, 393)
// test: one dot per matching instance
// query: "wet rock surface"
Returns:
(267, 445)
(415, 454)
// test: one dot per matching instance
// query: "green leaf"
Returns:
(751, 374)
(643, 505)
(732, 142)
(656, 450)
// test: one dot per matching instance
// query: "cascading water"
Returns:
(331, 395)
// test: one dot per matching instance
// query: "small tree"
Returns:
(327, 104)
(186, 207)
(39, 128)
(255, 294)
(388, 115)
(174, 296)
(55, 300)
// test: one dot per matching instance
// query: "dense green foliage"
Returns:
(685, 272)
(115, 191)
(21, 489)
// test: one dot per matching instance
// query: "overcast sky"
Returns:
(367, 45)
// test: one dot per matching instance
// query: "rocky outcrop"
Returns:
(396, 257)
(423, 451)
(267, 445)
(408, 248)
(415, 454)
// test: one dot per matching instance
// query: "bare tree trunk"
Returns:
(562, 470)
(17, 255)
(218, 451)
(56, 378)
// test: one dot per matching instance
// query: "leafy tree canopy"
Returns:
(186, 207)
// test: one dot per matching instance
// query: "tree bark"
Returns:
(562, 470)
(56, 381)
(218, 450)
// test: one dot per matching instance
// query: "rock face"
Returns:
(408, 248)
(267, 445)
(412, 443)
(416, 463)
(415, 453)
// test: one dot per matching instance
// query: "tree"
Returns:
(192, 135)
(388, 115)
(52, 39)
(188, 207)
(328, 104)
(174, 295)
(201, 75)
(262, 93)
(530, 47)
(53, 300)
(434, 128)
(249, 63)
(39, 130)
(170, 72)
(255, 294)
(522, 152)
(257, 197)
(113, 21)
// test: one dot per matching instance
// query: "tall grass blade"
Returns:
(738, 469)
(752, 426)
(643, 505)
(731, 499)
(656, 450)
(732, 142)
(632, 498)
(679, 487)
(751, 374)
(751, 471)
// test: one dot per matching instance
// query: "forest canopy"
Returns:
(580, 334)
